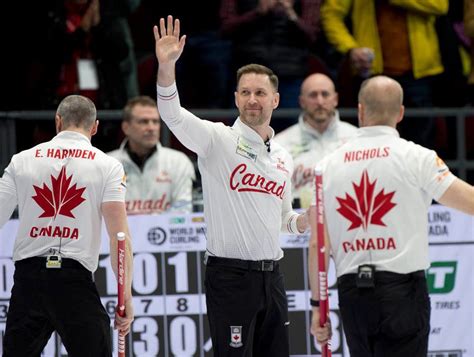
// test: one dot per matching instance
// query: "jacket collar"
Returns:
(250, 134)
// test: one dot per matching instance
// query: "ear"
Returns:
(360, 115)
(336, 98)
(401, 114)
(276, 100)
(300, 101)
(235, 99)
(58, 122)
(94, 128)
(125, 125)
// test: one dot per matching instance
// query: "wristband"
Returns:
(314, 303)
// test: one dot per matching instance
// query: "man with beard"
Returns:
(247, 202)
(318, 132)
(159, 179)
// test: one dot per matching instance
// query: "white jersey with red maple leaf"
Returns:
(59, 187)
(308, 146)
(246, 188)
(377, 192)
(165, 184)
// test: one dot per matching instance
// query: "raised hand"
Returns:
(168, 45)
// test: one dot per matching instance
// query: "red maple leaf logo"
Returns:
(62, 199)
(367, 209)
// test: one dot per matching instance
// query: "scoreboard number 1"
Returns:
(180, 263)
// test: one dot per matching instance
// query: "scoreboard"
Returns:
(168, 291)
(168, 288)
(170, 305)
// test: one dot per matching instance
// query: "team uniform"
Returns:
(59, 187)
(308, 146)
(247, 202)
(164, 184)
(377, 192)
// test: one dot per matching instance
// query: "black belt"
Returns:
(258, 265)
(382, 276)
(40, 262)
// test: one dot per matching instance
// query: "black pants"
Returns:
(390, 320)
(247, 310)
(66, 300)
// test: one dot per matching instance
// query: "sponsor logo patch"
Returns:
(245, 150)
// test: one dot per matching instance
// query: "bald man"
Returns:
(377, 192)
(318, 132)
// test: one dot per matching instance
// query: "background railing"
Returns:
(456, 147)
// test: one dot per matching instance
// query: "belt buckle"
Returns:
(267, 265)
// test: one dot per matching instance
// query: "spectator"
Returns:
(274, 33)
(453, 45)
(159, 179)
(73, 22)
(319, 131)
(115, 53)
(89, 51)
(376, 214)
(395, 38)
(469, 29)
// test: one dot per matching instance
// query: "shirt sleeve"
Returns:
(8, 194)
(435, 177)
(116, 185)
(288, 215)
(426, 7)
(333, 14)
(194, 133)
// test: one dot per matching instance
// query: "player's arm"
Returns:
(8, 196)
(302, 222)
(322, 334)
(291, 221)
(191, 131)
(115, 218)
(460, 196)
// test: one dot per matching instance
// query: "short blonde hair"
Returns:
(77, 111)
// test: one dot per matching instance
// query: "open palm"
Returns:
(168, 45)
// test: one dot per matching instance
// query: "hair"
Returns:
(77, 111)
(258, 69)
(382, 98)
(142, 100)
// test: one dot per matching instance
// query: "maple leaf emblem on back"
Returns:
(367, 208)
(62, 199)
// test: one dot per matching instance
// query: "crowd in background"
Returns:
(293, 37)
(103, 49)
